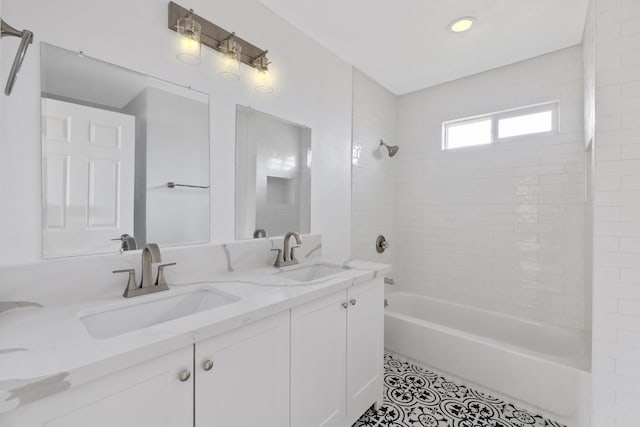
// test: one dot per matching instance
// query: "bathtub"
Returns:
(542, 366)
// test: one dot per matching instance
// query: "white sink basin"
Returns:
(312, 272)
(150, 310)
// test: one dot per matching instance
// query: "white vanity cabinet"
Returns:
(318, 364)
(242, 377)
(156, 393)
(337, 356)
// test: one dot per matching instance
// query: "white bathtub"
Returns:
(541, 365)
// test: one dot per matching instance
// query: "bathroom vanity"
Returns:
(234, 341)
(258, 346)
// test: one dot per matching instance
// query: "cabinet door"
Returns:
(318, 351)
(243, 376)
(365, 347)
(147, 395)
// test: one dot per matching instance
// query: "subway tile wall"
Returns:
(616, 300)
(498, 226)
(373, 172)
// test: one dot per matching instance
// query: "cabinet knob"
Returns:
(345, 305)
(207, 365)
(352, 301)
(184, 375)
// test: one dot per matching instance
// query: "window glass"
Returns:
(468, 134)
(525, 124)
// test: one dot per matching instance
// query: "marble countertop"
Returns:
(46, 350)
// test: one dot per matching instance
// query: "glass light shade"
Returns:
(230, 64)
(263, 82)
(189, 32)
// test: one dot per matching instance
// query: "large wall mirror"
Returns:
(125, 158)
(273, 175)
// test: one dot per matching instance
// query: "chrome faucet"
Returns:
(288, 257)
(150, 255)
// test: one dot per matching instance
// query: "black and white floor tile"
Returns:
(417, 397)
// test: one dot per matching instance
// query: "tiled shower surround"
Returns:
(615, 70)
(373, 172)
(497, 226)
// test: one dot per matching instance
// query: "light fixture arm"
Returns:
(261, 62)
(229, 44)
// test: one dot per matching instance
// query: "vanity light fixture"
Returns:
(462, 25)
(263, 75)
(189, 34)
(230, 61)
(235, 50)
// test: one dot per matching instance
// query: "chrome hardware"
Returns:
(352, 301)
(128, 242)
(389, 281)
(207, 365)
(386, 303)
(278, 262)
(391, 149)
(160, 280)
(345, 305)
(26, 38)
(174, 185)
(184, 376)
(288, 253)
(381, 244)
(150, 255)
(131, 283)
(286, 256)
(260, 232)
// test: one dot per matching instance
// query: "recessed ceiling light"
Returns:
(461, 25)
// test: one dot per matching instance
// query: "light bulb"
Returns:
(230, 66)
(263, 82)
(461, 25)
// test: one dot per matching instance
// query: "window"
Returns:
(499, 126)
(470, 133)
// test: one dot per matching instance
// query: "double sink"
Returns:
(146, 311)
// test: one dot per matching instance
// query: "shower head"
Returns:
(393, 149)
(26, 37)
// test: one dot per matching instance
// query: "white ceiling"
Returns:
(405, 45)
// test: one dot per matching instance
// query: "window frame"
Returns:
(496, 117)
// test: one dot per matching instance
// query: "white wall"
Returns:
(312, 87)
(176, 145)
(498, 226)
(616, 311)
(373, 186)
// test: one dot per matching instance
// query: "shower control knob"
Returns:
(345, 305)
(184, 376)
(353, 301)
(381, 244)
(207, 365)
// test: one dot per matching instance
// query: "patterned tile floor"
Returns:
(417, 397)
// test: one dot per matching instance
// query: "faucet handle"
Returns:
(160, 280)
(279, 259)
(131, 283)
